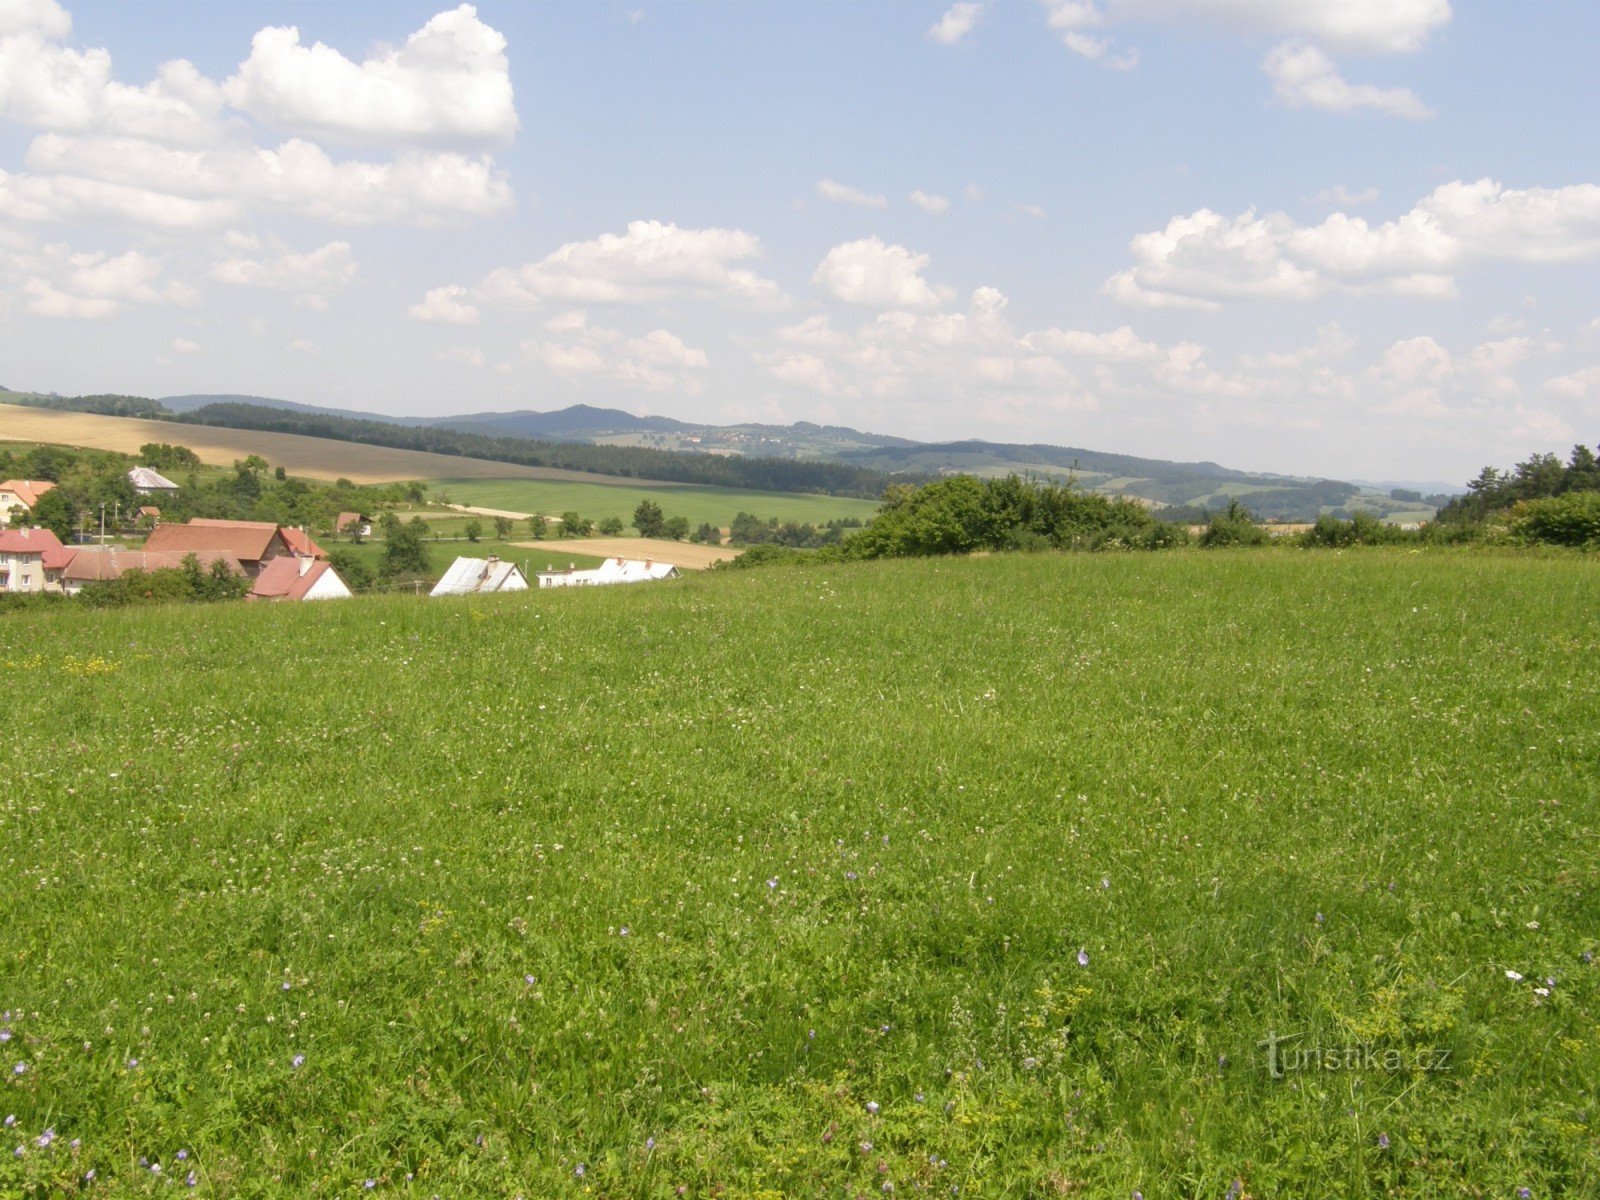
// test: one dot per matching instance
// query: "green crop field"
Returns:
(1249, 874)
(600, 500)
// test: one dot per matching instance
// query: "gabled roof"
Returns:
(27, 490)
(92, 564)
(147, 479)
(289, 578)
(468, 576)
(248, 541)
(344, 520)
(298, 540)
(30, 541)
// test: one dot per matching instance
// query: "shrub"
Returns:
(1569, 520)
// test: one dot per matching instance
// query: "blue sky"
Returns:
(1344, 237)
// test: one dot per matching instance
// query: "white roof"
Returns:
(468, 576)
(148, 479)
(613, 570)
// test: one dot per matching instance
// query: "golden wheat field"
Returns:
(686, 556)
(313, 458)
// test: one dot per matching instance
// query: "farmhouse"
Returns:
(147, 481)
(100, 564)
(478, 576)
(613, 570)
(347, 522)
(299, 578)
(20, 495)
(31, 560)
(253, 543)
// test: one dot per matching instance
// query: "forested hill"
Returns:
(761, 474)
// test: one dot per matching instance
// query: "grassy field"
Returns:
(442, 553)
(620, 497)
(992, 875)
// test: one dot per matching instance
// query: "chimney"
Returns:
(494, 558)
(647, 564)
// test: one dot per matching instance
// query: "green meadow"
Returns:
(699, 505)
(1250, 874)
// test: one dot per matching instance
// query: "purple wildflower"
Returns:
(45, 1138)
(528, 979)
(580, 1170)
(286, 985)
(1083, 957)
(1523, 1193)
(872, 1107)
(298, 1061)
(851, 876)
(773, 882)
(192, 1180)
(18, 1152)
(5, 1035)
(370, 1184)
(1383, 1141)
(182, 1156)
(11, 1120)
(20, 1069)
(650, 1143)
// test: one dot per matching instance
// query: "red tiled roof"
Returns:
(92, 563)
(27, 490)
(29, 541)
(344, 520)
(298, 541)
(248, 541)
(282, 579)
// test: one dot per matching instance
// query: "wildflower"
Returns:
(1319, 918)
(192, 1180)
(1587, 956)
(45, 1138)
(624, 931)
(133, 1064)
(772, 883)
(1083, 957)
(1513, 976)
(580, 1170)
(1383, 1141)
(5, 1035)
(528, 979)
(1234, 1189)
(286, 985)
(851, 876)
(11, 1120)
(872, 1107)
(370, 1184)
(1137, 1194)
(20, 1069)
(181, 1155)
(650, 1143)
(18, 1152)
(1105, 883)
(1523, 1193)
(75, 1143)
(88, 1176)
(918, 1097)
(298, 1061)
(155, 1168)
(866, 1147)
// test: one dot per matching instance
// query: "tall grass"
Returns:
(985, 874)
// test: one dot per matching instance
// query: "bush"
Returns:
(1569, 520)
(1234, 526)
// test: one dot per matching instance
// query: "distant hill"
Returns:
(820, 457)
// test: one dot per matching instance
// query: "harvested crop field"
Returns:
(686, 556)
(313, 458)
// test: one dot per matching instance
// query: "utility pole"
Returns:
(102, 523)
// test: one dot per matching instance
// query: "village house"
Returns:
(299, 578)
(149, 482)
(350, 522)
(253, 543)
(478, 576)
(20, 495)
(31, 560)
(102, 564)
(613, 570)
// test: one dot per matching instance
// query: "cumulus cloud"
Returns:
(873, 273)
(1304, 77)
(1582, 384)
(325, 269)
(173, 154)
(185, 346)
(659, 361)
(958, 21)
(1204, 259)
(840, 193)
(934, 206)
(60, 282)
(449, 84)
(651, 261)
(446, 305)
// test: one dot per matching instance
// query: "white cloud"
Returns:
(840, 193)
(870, 272)
(1582, 384)
(652, 261)
(1304, 77)
(1360, 26)
(74, 285)
(659, 361)
(325, 269)
(934, 206)
(171, 155)
(1340, 196)
(446, 305)
(958, 21)
(185, 346)
(449, 84)
(1202, 259)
